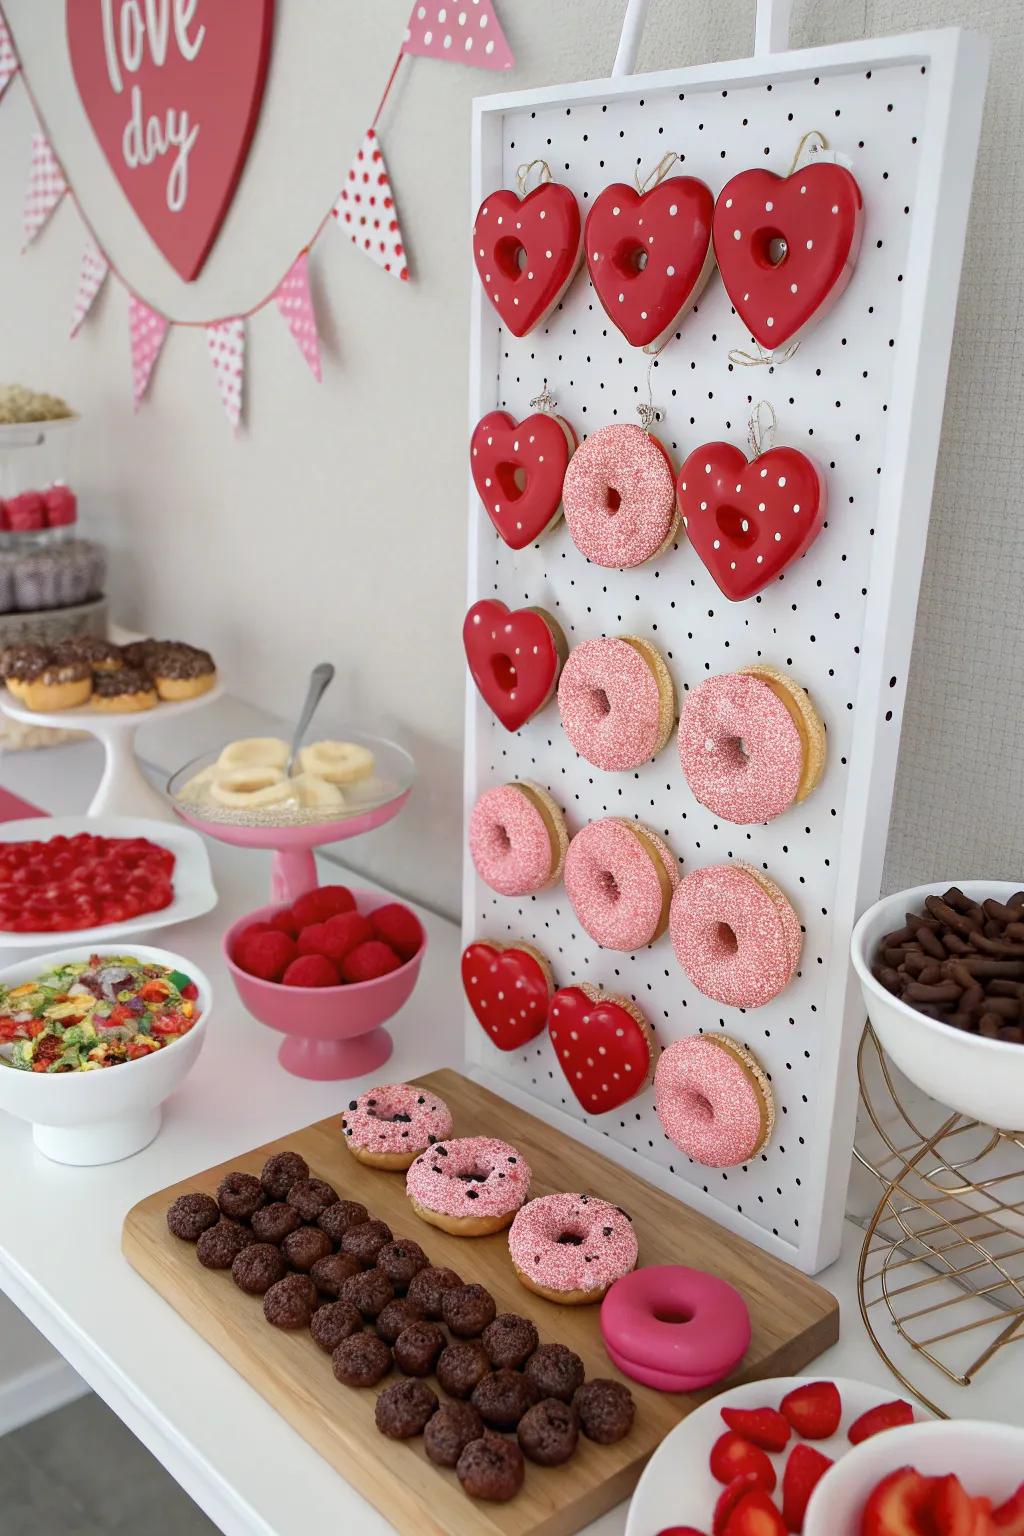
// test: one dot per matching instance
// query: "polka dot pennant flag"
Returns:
(46, 187)
(295, 302)
(225, 343)
(8, 57)
(148, 331)
(466, 30)
(366, 210)
(91, 277)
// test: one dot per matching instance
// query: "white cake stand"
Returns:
(124, 789)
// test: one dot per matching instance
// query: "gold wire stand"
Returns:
(942, 1263)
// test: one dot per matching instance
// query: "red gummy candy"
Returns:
(312, 971)
(251, 932)
(368, 961)
(26, 512)
(284, 922)
(336, 938)
(324, 901)
(266, 955)
(61, 506)
(399, 927)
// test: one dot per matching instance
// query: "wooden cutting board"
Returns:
(793, 1321)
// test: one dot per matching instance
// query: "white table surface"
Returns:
(60, 1228)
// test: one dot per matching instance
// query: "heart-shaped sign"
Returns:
(649, 254)
(527, 251)
(508, 989)
(515, 656)
(749, 520)
(603, 1045)
(172, 89)
(518, 471)
(786, 246)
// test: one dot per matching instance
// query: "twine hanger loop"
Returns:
(523, 174)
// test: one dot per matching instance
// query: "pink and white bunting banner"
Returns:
(466, 30)
(148, 332)
(8, 57)
(295, 302)
(91, 277)
(366, 210)
(225, 342)
(46, 187)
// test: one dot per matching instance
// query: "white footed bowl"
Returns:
(987, 1458)
(85, 1118)
(982, 1079)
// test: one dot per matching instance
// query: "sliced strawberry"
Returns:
(755, 1515)
(813, 1410)
(955, 1513)
(804, 1469)
(729, 1498)
(900, 1505)
(885, 1416)
(761, 1426)
(1008, 1519)
(731, 1456)
(680, 1530)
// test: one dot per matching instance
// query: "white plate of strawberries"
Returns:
(746, 1462)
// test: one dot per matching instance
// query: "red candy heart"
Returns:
(649, 254)
(748, 521)
(508, 991)
(515, 656)
(518, 472)
(786, 246)
(527, 252)
(603, 1050)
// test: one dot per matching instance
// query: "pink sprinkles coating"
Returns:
(613, 885)
(707, 1103)
(572, 1242)
(509, 842)
(610, 704)
(470, 1176)
(757, 781)
(619, 496)
(396, 1117)
(730, 938)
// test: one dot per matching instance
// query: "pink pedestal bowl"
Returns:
(333, 1032)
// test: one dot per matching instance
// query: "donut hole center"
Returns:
(770, 248)
(609, 885)
(502, 839)
(612, 500)
(738, 527)
(601, 702)
(672, 1313)
(472, 1176)
(573, 1239)
(510, 257)
(505, 674)
(727, 943)
(511, 480)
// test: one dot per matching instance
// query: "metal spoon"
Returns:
(319, 679)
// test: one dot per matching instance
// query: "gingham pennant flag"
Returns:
(91, 277)
(148, 332)
(466, 30)
(8, 57)
(366, 210)
(46, 187)
(225, 342)
(295, 302)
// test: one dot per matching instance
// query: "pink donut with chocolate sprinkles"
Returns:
(713, 1100)
(620, 877)
(617, 702)
(517, 839)
(571, 1248)
(389, 1125)
(740, 749)
(619, 498)
(471, 1186)
(735, 934)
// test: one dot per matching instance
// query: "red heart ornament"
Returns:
(515, 656)
(518, 471)
(749, 520)
(605, 1052)
(649, 254)
(527, 252)
(508, 991)
(786, 246)
(173, 90)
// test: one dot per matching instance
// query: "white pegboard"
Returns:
(863, 396)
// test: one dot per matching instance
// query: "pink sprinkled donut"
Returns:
(713, 1100)
(618, 497)
(735, 934)
(517, 839)
(571, 1248)
(617, 702)
(755, 781)
(620, 877)
(470, 1186)
(389, 1126)
(711, 1336)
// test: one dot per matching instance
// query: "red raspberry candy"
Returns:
(312, 971)
(336, 938)
(26, 512)
(284, 922)
(368, 961)
(266, 955)
(399, 927)
(318, 905)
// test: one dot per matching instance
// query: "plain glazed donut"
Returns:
(713, 1100)
(617, 702)
(674, 1329)
(470, 1187)
(517, 839)
(735, 934)
(389, 1126)
(619, 497)
(620, 877)
(571, 1248)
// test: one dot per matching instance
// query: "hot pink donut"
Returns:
(754, 783)
(611, 704)
(396, 1118)
(510, 841)
(572, 1243)
(614, 886)
(472, 1176)
(618, 497)
(713, 1100)
(711, 1336)
(737, 940)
